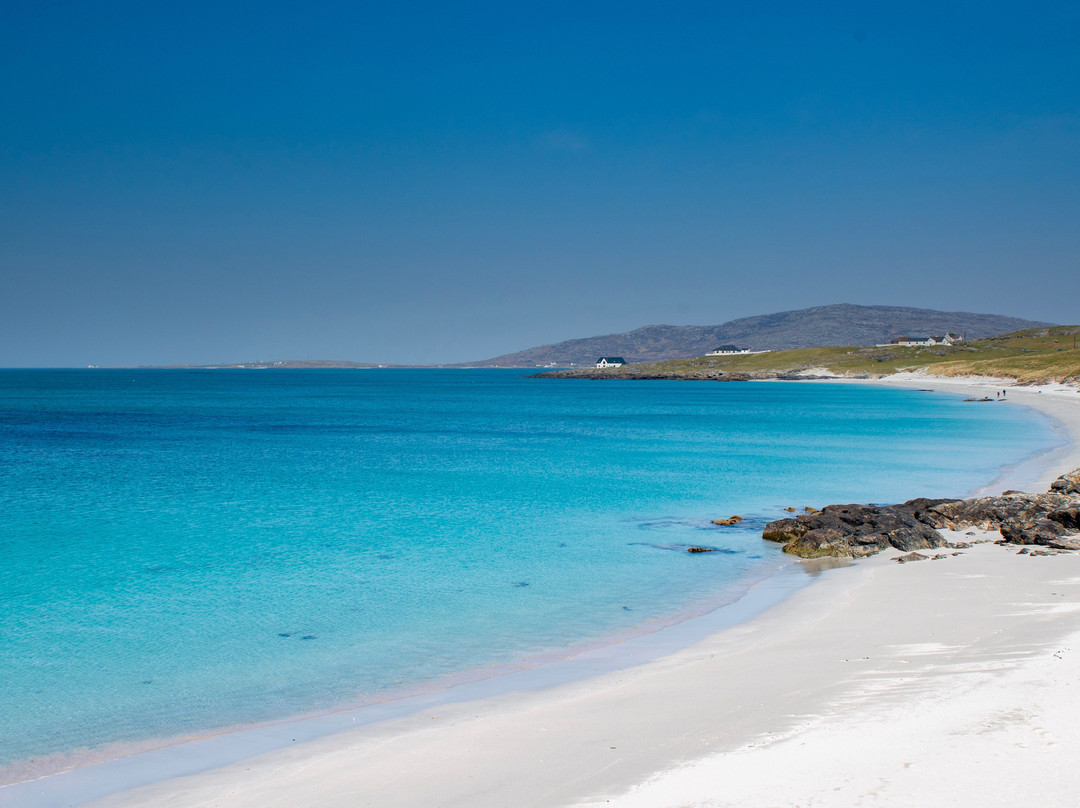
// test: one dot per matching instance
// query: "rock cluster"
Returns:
(853, 531)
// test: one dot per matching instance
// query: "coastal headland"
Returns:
(1030, 356)
(879, 684)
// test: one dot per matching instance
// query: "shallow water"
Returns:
(186, 550)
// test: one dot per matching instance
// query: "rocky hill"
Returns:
(841, 324)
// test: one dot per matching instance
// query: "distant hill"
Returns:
(841, 324)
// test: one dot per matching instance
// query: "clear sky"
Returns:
(436, 182)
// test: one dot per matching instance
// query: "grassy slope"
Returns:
(1032, 355)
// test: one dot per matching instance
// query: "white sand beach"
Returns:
(950, 681)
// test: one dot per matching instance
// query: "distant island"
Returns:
(836, 325)
(280, 364)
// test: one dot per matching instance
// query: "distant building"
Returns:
(729, 350)
(610, 362)
(949, 338)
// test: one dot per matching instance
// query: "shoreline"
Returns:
(138, 764)
(1056, 402)
(258, 778)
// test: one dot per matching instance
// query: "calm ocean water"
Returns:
(185, 550)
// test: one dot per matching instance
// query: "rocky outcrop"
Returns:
(1021, 518)
(1067, 483)
(989, 513)
(853, 531)
(1031, 531)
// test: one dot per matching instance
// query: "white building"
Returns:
(610, 362)
(949, 338)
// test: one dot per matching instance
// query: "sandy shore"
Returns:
(947, 681)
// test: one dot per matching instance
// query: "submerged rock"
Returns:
(731, 520)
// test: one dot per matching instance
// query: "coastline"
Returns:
(1056, 402)
(486, 752)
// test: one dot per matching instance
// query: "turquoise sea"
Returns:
(183, 550)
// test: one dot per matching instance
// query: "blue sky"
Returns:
(431, 182)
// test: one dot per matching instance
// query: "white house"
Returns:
(610, 362)
(923, 342)
(728, 350)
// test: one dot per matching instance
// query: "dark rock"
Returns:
(1031, 531)
(852, 531)
(910, 557)
(784, 530)
(882, 525)
(1068, 516)
(917, 509)
(701, 549)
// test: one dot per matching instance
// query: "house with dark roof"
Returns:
(610, 362)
